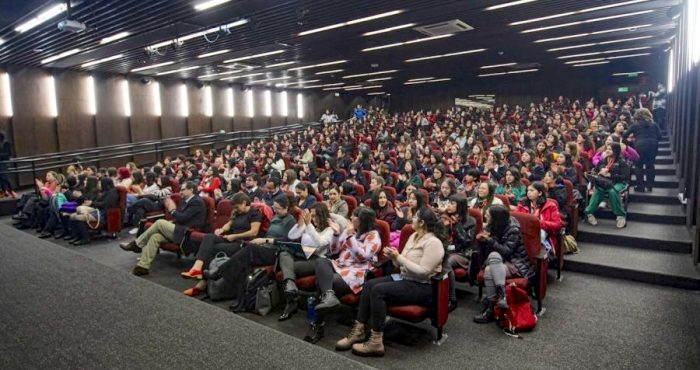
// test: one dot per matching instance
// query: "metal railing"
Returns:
(44, 162)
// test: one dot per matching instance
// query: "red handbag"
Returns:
(519, 315)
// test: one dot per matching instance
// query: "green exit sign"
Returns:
(623, 89)
(632, 75)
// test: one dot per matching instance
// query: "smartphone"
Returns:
(396, 277)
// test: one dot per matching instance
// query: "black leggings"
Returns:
(327, 278)
(213, 244)
(645, 165)
(138, 210)
(383, 291)
(241, 264)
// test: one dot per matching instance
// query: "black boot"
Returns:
(501, 298)
(486, 316)
(290, 308)
(315, 332)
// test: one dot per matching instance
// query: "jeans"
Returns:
(378, 293)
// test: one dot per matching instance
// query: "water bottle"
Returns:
(311, 309)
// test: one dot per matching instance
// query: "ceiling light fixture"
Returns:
(420, 79)
(279, 64)
(627, 73)
(94, 62)
(584, 61)
(115, 37)
(209, 4)
(628, 56)
(591, 64)
(270, 79)
(205, 55)
(592, 20)
(371, 73)
(329, 72)
(41, 18)
(509, 73)
(630, 28)
(318, 65)
(363, 87)
(599, 43)
(603, 52)
(332, 88)
(506, 5)
(414, 41)
(191, 36)
(253, 56)
(348, 23)
(60, 56)
(243, 76)
(151, 66)
(389, 29)
(444, 55)
(587, 10)
(498, 65)
(177, 70)
(426, 81)
(1, 41)
(219, 74)
(380, 79)
(376, 93)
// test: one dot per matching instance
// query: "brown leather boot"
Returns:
(357, 335)
(374, 347)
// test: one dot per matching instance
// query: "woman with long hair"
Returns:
(381, 205)
(502, 242)
(420, 260)
(94, 213)
(512, 187)
(485, 197)
(546, 210)
(404, 215)
(647, 136)
(461, 228)
(610, 178)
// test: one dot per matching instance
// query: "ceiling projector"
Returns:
(71, 26)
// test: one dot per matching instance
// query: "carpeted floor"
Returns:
(590, 322)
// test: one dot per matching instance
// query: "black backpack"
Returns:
(254, 282)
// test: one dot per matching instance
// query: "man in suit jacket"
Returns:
(191, 214)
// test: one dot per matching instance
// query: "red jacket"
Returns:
(215, 184)
(550, 220)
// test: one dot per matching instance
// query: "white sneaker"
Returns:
(591, 219)
(621, 222)
(134, 231)
(603, 204)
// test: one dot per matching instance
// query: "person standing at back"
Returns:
(5, 154)
(659, 106)
(647, 136)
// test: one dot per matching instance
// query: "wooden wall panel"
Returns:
(173, 123)
(221, 119)
(34, 127)
(111, 120)
(260, 121)
(76, 128)
(197, 122)
(145, 123)
(241, 121)
(292, 104)
(277, 118)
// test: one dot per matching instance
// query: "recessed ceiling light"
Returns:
(318, 65)
(628, 56)
(414, 41)
(376, 93)
(94, 62)
(279, 64)
(371, 73)
(380, 79)
(41, 18)
(627, 73)
(498, 65)
(444, 55)
(420, 79)
(329, 72)
(512, 3)
(1, 41)
(425, 81)
(508, 73)
(114, 37)
(205, 55)
(242, 76)
(271, 79)
(60, 56)
(584, 61)
(363, 87)
(389, 29)
(209, 4)
(591, 64)
(260, 55)
(630, 28)
(587, 10)
(177, 70)
(592, 20)
(603, 52)
(355, 21)
(332, 88)
(152, 66)
(600, 43)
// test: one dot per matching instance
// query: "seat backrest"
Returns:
(359, 190)
(175, 186)
(352, 203)
(530, 228)
(223, 213)
(384, 232)
(504, 199)
(406, 232)
(395, 177)
(296, 213)
(426, 195)
(211, 211)
(368, 176)
(267, 215)
(177, 198)
(569, 191)
(579, 172)
(476, 213)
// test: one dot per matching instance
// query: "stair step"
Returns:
(664, 151)
(654, 213)
(664, 181)
(665, 169)
(664, 144)
(657, 196)
(664, 159)
(641, 235)
(654, 267)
